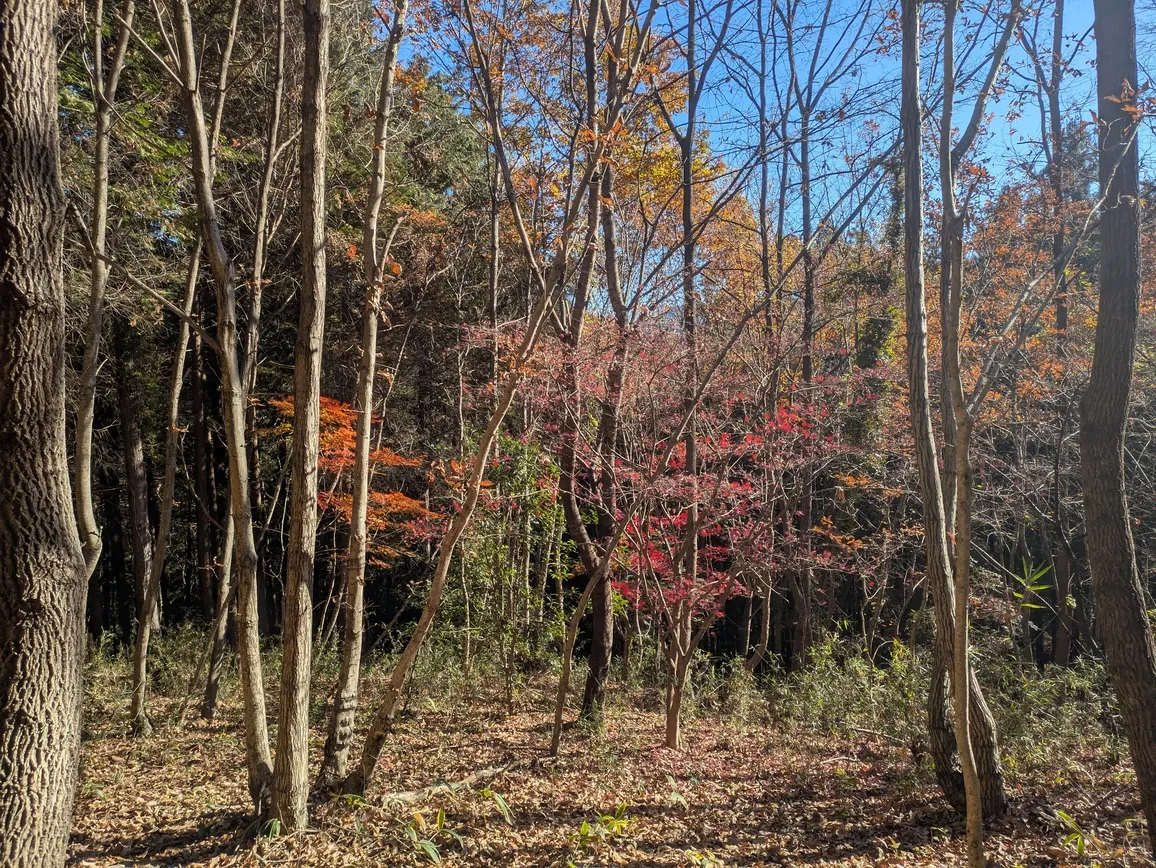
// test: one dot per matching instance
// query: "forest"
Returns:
(577, 433)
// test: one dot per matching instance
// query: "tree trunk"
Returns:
(1120, 602)
(939, 567)
(601, 647)
(216, 641)
(202, 490)
(136, 484)
(139, 714)
(104, 99)
(291, 772)
(42, 568)
(233, 400)
(335, 764)
(680, 653)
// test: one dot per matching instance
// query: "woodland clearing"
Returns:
(758, 783)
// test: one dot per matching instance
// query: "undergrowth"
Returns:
(1052, 720)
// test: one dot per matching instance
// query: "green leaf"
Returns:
(503, 807)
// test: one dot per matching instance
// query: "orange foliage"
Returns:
(390, 512)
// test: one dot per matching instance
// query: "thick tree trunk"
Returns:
(601, 646)
(291, 772)
(42, 568)
(1120, 602)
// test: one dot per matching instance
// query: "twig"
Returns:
(192, 321)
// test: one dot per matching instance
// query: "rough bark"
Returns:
(1120, 602)
(42, 568)
(291, 771)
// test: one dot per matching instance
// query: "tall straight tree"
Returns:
(291, 772)
(42, 569)
(1120, 597)
(959, 415)
(139, 713)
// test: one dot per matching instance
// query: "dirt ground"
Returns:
(734, 796)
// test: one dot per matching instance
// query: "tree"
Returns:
(105, 84)
(1120, 598)
(258, 758)
(335, 764)
(919, 399)
(42, 569)
(291, 772)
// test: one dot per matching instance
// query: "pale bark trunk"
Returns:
(939, 567)
(257, 280)
(957, 426)
(1120, 601)
(335, 763)
(104, 99)
(42, 567)
(257, 752)
(291, 772)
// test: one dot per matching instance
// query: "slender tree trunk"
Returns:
(250, 360)
(233, 399)
(939, 567)
(139, 714)
(382, 722)
(291, 772)
(335, 764)
(218, 632)
(680, 656)
(1120, 601)
(104, 100)
(202, 490)
(42, 568)
(136, 484)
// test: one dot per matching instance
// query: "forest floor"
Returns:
(736, 795)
